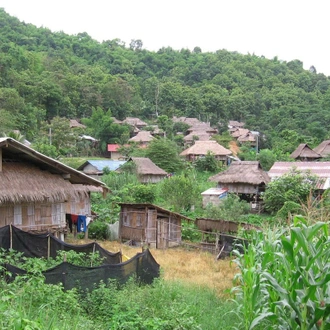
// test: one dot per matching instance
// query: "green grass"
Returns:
(31, 304)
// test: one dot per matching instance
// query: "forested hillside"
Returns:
(45, 74)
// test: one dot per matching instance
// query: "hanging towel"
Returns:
(74, 218)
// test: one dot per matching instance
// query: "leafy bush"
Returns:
(231, 208)
(207, 163)
(98, 230)
(190, 232)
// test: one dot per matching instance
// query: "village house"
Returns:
(142, 138)
(305, 153)
(245, 178)
(36, 191)
(323, 149)
(113, 152)
(150, 225)
(135, 122)
(146, 170)
(95, 167)
(202, 148)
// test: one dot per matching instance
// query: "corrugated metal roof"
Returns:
(111, 164)
(113, 147)
(320, 169)
(215, 191)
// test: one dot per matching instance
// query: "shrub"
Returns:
(98, 230)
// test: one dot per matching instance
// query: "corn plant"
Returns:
(284, 279)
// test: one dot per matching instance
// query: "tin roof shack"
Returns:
(219, 236)
(214, 196)
(150, 224)
(245, 178)
(35, 189)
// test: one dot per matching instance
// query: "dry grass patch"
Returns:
(178, 264)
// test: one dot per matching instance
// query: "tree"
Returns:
(295, 186)
(164, 153)
(266, 158)
(179, 191)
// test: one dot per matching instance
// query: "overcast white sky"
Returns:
(289, 29)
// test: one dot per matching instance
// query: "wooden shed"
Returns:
(37, 191)
(305, 153)
(243, 177)
(150, 224)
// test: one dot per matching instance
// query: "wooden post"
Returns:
(11, 237)
(93, 254)
(48, 247)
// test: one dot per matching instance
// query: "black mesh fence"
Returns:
(142, 266)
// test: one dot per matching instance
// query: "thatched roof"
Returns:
(23, 182)
(242, 172)
(240, 132)
(116, 121)
(304, 152)
(202, 136)
(74, 123)
(323, 148)
(146, 167)
(142, 136)
(234, 123)
(27, 175)
(203, 147)
(203, 127)
(134, 122)
(186, 120)
(249, 137)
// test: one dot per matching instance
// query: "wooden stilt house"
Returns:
(37, 191)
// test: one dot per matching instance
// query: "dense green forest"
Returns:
(46, 75)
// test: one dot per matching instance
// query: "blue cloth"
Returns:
(81, 223)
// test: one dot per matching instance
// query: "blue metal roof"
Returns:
(111, 164)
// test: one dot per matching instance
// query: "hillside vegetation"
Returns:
(45, 74)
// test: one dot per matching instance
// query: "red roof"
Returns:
(113, 147)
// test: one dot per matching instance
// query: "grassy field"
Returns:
(193, 267)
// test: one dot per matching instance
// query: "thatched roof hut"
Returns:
(202, 127)
(142, 137)
(134, 122)
(242, 171)
(36, 190)
(323, 148)
(305, 153)
(147, 170)
(201, 148)
(186, 120)
(245, 177)
(74, 124)
(201, 136)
